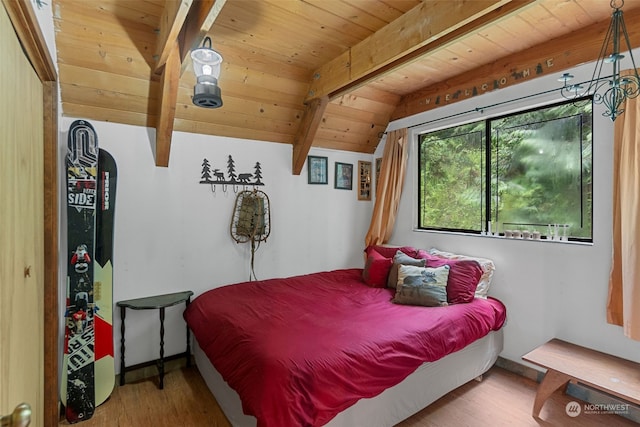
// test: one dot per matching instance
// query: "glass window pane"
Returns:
(540, 173)
(451, 182)
(541, 169)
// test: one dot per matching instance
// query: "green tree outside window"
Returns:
(521, 171)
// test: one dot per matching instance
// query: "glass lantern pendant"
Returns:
(206, 66)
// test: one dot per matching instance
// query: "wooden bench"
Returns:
(567, 362)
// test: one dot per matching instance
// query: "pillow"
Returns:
(390, 251)
(400, 258)
(488, 267)
(376, 270)
(422, 286)
(464, 276)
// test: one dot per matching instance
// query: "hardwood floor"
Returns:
(501, 399)
(504, 399)
(184, 401)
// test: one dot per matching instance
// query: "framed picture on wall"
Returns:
(344, 176)
(378, 166)
(318, 168)
(364, 180)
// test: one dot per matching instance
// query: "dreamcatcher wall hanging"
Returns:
(251, 221)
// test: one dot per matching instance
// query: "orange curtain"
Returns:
(389, 188)
(623, 305)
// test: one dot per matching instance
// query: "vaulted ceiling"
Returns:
(311, 73)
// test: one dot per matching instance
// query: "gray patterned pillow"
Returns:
(422, 286)
(400, 258)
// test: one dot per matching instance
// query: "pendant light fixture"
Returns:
(206, 66)
(612, 90)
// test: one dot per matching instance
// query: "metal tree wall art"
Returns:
(214, 176)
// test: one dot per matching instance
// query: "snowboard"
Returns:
(82, 166)
(104, 368)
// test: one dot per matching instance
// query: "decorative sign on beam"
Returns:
(553, 56)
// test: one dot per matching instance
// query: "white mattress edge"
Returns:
(428, 383)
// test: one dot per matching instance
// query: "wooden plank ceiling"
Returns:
(321, 73)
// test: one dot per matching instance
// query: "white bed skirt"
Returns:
(427, 384)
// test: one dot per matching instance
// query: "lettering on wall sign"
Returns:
(515, 76)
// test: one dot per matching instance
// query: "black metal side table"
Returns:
(148, 303)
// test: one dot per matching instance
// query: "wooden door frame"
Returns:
(28, 30)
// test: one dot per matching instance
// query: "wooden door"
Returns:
(21, 228)
(28, 216)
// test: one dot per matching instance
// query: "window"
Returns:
(521, 171)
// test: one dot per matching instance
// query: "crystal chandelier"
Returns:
(612, 90)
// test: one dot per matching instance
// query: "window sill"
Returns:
(493, 237)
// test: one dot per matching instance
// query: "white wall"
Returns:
(550, 289)
(172, 233)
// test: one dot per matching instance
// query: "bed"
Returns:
(329, 348)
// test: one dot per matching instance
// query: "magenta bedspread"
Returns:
(300, 350)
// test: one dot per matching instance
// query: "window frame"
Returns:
(487, 153)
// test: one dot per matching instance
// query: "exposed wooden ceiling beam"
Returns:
(183, 25)
(171, 23)
(551, 57)
(424, 26)
(307, 131)
(167, 108)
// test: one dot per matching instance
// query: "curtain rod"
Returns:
(481, 109)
